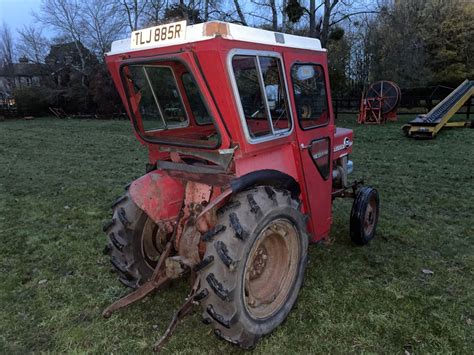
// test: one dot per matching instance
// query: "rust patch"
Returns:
(159, 195)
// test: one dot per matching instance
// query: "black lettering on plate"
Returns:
(170, 32)
(149, 38)
(177, 31)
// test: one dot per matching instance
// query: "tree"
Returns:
(188, 11)
(420, 43)
(448, 40)
(323, 16)
(65, 17)
(154, 12)
(267, 7)
(396, 49)
(63, 61)
(103, 93)
(6, 45)
(240, 13)
(103, 23)
(32, 44)
(133, 10)
(338, 61)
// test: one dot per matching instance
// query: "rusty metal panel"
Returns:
(158, 194)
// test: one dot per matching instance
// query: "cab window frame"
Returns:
(162, 112)
(256, 54)
(156, 139)
(325, 90)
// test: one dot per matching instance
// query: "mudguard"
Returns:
(158, 194)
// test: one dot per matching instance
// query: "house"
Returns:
(20, 75)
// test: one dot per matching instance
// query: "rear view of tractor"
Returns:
(244, 164)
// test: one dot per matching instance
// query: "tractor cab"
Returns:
(244, 163)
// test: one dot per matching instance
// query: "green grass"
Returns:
(58, 177)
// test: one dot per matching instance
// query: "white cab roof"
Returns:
(229, 31)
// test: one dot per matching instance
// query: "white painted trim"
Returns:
(195, 33)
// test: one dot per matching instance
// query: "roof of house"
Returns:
(209, 30)
(24, 69)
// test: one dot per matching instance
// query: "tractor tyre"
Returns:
(364, 215)
(253, 266)
(134, 242)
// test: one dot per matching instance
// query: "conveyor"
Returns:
(427, 126)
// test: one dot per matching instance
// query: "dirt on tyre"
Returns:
(254, 265)
(135, 242)
(364, 215)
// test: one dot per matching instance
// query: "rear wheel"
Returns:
(364, 215)
(135, 242)
(254, 263)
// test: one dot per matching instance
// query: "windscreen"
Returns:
(169, 105)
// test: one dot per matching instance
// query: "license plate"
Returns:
(171, 33)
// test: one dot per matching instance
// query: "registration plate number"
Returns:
(159, 35)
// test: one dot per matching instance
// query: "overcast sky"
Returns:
(16, 13)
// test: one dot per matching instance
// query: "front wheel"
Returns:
(364, 215)
(254, 263)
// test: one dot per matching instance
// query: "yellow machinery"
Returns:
(427, 126)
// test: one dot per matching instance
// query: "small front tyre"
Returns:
(364, 215)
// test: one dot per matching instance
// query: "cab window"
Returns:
(198, 108)
(167, 104)
(309, 90)
(163, 108)
(262, 95)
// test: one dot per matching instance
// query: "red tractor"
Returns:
(244, 163)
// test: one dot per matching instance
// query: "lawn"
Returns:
(411, 289)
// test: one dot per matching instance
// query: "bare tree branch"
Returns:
(345, 17)
(6, 45)
(240, 12)
(104, 23)
(33, 44)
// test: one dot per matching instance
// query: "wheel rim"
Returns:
(153, 241)
(271, 269)
(370, 217)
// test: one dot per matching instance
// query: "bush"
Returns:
(31, 101)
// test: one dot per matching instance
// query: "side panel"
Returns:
(343, 141)
(158, 194)
(280, 158)
(318, 184)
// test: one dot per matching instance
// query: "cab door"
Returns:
(314, 126)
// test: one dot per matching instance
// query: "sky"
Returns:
(16, 13)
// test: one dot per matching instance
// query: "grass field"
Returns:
(58, 177)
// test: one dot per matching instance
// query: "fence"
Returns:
(409, 105)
